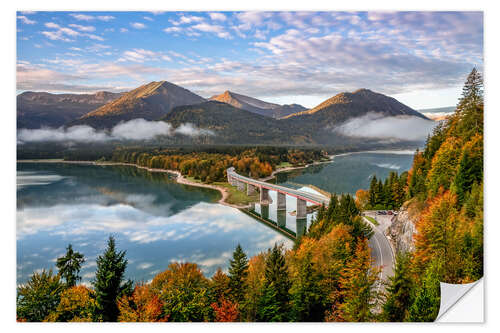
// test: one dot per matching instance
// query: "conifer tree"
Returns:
(274, 302)
(238, 271)
(425, 307)
(109, 282)
(69, 266)
(399, 291)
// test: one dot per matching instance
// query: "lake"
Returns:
(348, 172)
(152, 217)
(157, 220)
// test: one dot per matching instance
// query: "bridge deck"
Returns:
(309, 197)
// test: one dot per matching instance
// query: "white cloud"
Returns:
(138, 25)
(172, 29)
(216, 29)
(105, 18)
(142, 55)
(83, 28)
(376, 125)
(25, 20)
(82, 17)
(136, 129)
(147, 18)
(123, 29)
(217, 16)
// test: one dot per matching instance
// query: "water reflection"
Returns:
(348, 173)
(155, 219)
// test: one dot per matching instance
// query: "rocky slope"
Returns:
(402, 228)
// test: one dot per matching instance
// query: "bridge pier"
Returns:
(250, 189)
(281, 201)
(301, 209)
(264, 195)
(264, 211)
(301, 225)
(281, 215)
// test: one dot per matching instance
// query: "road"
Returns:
(307, 196)
(381, 248)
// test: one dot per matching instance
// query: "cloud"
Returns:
(216, 29)
(138, 25)
(83, 28)
(136, 129)
(217, 16)
(82, 17)
(25, 20)
(140, 129)
(191, 130)
(105, 18)
(142, 55)
(376, 125)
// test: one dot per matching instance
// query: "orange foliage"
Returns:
(225, 311)
(362, 198)
(142, 306)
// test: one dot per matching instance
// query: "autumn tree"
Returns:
(77, 305)
(109, 282)
(40, 296)
(184, 292)
(69, 266)
(225, 311)
(142, 306)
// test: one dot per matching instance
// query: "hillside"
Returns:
(43, 109)
(343, 106)
(232, 125)
(150, 101)
(257, 106)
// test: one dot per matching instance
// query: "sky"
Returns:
(420, 58)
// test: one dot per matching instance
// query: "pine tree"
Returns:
(238, 271)
(274, 302)
(69, 266)
(109, 281)
(306, 294)
(399, 291)
(425, 307)
(373, 191)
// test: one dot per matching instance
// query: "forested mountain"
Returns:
(343, 106)
(236, 126)
(37, 109)
(257, 106)
(150, 101)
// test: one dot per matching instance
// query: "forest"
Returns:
(210, 165)
(328, 275)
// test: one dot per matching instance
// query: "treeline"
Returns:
(210, 166)
(390, 194)
(327, 277)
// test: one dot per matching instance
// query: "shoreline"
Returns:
(183, 180)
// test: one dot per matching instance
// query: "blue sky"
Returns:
(420, 58)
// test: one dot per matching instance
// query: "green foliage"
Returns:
(425, 308)
(109, 282)
(37, 298)
(238, 271)
(274, 302)
(69, 266)
(307, 298)
(399, 291)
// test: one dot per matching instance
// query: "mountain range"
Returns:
(234, 118)
(42, 109)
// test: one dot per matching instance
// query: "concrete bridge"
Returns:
(251, 185)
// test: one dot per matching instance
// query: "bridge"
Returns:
(251, 185)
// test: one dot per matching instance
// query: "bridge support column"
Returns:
(301, 209)
(301, 225)
(264, 211)
(264, 195)
(281, 215)
(241, 186)
(250, 189)
(281, 201)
